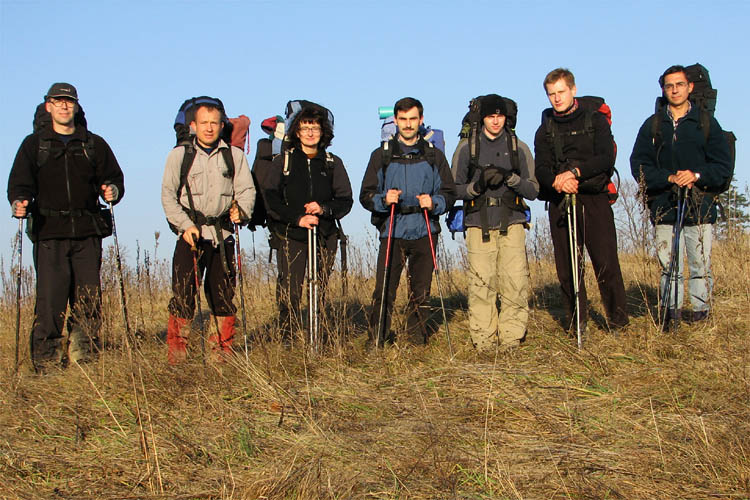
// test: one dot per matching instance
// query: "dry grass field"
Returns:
(640, 415)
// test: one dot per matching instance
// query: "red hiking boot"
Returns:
(222, 346)
(177, 334)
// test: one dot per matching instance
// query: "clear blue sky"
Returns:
(134, 62)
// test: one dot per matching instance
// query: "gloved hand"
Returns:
(493, 176)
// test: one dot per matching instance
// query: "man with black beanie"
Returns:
(493, 190)
(575, 155)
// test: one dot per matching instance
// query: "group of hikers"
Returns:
(681, 158)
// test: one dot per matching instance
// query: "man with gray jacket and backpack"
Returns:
(207, 187)
(494, 173)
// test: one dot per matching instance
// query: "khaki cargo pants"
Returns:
(498, 267)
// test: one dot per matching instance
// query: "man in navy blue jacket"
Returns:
(683, 155)
(412, 174)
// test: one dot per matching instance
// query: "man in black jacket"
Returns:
(683, 156)
(580, 164)
(57, 177)
(307, 187)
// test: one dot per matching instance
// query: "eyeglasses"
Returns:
(679, 86)
(310, 130)
(59, 103)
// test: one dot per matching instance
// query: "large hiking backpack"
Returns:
(234, 133)
(590, 105)
(471, 128)
(703, 96)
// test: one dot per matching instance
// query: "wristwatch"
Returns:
(697, 176)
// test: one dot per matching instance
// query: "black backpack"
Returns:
(704, 96)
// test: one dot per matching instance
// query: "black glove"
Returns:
(493, 176)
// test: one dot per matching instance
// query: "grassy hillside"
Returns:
(639, 415)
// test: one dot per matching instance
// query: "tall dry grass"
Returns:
(638, 415)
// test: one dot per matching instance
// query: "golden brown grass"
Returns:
(641, 415)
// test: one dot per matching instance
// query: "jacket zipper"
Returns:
(70, 201)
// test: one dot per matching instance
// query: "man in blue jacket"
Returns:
(413, 175)
(682, 155)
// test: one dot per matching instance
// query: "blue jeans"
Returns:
(696, 242)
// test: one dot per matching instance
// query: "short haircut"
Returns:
(210, 107)
(314, 114)
(557, 74)
(405, 104)
(677, 68)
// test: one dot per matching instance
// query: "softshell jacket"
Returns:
(683, 149)
(412, 176)
(67, 186)
(212, 191)
(494, 152)
(308, 179)
(595, 159)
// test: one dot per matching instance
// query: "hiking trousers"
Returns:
(67, 274)
(596, 230)
(291, 263)
(498, 268)
(218, 285)
(695, 241)
(419, 274)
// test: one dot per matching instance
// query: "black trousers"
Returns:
(596, 230)
(419, 273)
(218, 285)
(67, 274)
(291, 263)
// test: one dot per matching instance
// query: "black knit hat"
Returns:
(492, 104)
(62, 90)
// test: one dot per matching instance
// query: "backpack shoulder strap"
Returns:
(429, 153)
(287, 161)
(705, 123)
(88, 149)
(42, 154)
(229, 161)
(656, 135)
(187, 162)
(515, 161)
(387, 153)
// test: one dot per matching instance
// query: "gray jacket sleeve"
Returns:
(169, 184)
(460, 171)
(527, 186)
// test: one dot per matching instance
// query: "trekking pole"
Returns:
(311, 287)
(316, 315)
(118, 261)
(440, 286)
(19, 242)
(380, 337)
(194, 249)
(673, 272)
(242, 281)
(573, 240)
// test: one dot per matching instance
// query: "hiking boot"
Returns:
(221, 345)
(177, 334)
(672, 315)
(81, 347)
(697, 316)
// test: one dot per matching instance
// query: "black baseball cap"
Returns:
(62, 90)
